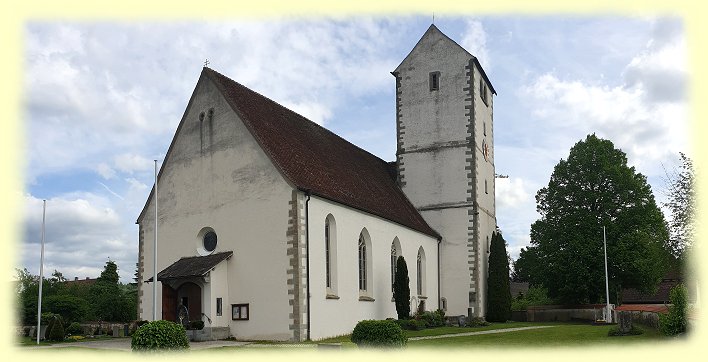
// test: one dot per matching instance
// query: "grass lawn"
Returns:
(560, 335)
(30, 342)
(443, 330)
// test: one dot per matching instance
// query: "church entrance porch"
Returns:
(196, 289)
(182, 304)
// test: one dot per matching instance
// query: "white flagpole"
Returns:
(154, 254)
(41, 272)
(607, 288)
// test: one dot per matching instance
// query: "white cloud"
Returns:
(82, 231)
(511, 192)
(130, 163)
(475, 41)
(105, 171)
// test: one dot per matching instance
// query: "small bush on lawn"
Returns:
(432, 319)
(75, 338)
(159, 335)
(56, 333)
(74, 329)
(378, 334)
(614, 332)
(410, 324)
(477, 322)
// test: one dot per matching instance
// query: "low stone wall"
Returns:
(649, 319)
(90, 328)
(558, 313)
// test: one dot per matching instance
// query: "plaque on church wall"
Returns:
(239, 312)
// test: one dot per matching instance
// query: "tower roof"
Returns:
(433, 31)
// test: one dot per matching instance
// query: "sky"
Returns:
(102, 100)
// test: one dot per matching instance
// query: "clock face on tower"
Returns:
(485, 151)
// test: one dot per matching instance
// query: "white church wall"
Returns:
(331, 317)
(218, 288)
(217, 176)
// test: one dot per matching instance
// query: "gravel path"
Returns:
(503, 330)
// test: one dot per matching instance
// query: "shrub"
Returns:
(75, 338)
(74, 329)
(477, 322)
(51, 319)
(378, 334)
(56, 333)
(401, 289)
(411, 324)
(498, 295)
(198, 325)
(432, 319)
(159, 335)
(675, 321)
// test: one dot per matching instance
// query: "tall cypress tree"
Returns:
(402, 289)
(498, 293)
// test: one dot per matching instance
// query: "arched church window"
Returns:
(395, 253)
(330, 237)
(420, 272)
(393, 264)
(362, 263)
(328, 274)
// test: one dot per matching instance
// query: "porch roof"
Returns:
(192, 266)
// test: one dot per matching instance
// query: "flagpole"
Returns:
(41, 272)
(608, 319)
(154, 254)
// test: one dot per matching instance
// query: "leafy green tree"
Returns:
(681, 203)
(676, 321)
(593, 188)
(401, 289)
(498, 292)
(108, 301)
(72, 309)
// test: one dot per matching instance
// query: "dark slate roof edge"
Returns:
(218, 258)
(433, 234)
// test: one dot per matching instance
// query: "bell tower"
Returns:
(445, 161)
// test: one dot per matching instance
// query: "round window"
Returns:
(210, 241)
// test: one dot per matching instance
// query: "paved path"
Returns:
(123, 344)
(492, 331)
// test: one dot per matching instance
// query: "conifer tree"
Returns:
(498, 292)
(401, 289)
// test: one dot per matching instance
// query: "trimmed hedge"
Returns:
(75, 329)
(159, 335)
(374, 333)
(411, 324)
(56, 333)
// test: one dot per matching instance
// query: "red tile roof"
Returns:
(656, 308)
(317, 160)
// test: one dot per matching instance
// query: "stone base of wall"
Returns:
(563, 315)
(209, 334)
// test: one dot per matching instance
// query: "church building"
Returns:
(271, 227)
